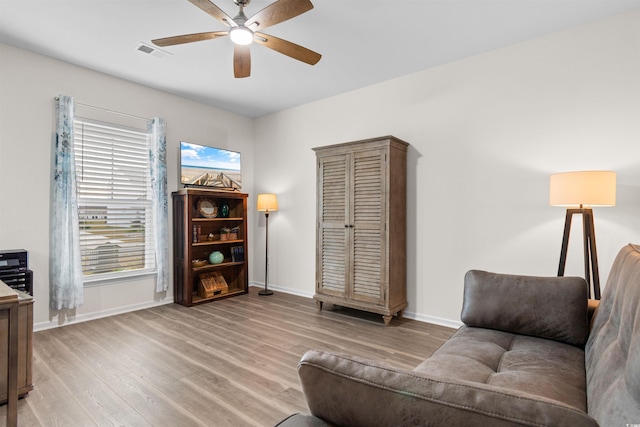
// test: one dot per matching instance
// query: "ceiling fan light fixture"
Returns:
(241, 35)
(244, 31)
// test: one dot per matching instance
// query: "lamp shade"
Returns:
(591, 188)
(267, 202)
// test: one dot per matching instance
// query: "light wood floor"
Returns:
(227, 363)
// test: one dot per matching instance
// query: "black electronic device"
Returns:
(14, 260)
(14, 270)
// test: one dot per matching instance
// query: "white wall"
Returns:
(485, 134)
(28, 84)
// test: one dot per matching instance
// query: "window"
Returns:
(114, 200)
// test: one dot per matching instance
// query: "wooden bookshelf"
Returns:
(197, 235)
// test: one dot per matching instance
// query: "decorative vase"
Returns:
(216, 257)
(224, 210)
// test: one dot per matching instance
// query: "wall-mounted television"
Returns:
(202, 166)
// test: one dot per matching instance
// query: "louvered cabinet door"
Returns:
(367, 199)
(332, 235)
(361, 227)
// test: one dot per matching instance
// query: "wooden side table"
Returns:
(25, 347)
(9, 304)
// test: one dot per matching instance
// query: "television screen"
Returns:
(209, 167)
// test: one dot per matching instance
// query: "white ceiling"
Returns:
(362, 42)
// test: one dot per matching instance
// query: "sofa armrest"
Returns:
(349, 391)
(545, 307)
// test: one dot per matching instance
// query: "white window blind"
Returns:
(114, 200)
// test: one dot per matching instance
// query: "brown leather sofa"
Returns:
(525, 356)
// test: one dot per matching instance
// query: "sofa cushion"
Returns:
(547, 307)
(613, 349)
(351, 391)
(532, 365)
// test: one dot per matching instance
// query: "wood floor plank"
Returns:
(103, 406)
(51, 401)
(87, 349)
(208, 407)
(158, 408)
(253, 405)
(230, 362)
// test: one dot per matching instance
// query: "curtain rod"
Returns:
(106, 110)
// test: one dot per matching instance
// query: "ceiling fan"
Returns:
(243, 31)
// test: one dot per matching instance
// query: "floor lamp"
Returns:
(578, 191)
(266, 203)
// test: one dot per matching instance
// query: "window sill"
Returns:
(110, 278)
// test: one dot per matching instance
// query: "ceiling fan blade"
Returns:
(214, 11)
(287, 48)
(189, 38)
(278, 12)
(241, 61)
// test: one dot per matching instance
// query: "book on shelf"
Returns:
(237, 253)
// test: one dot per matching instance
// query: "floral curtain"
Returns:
(158, 161)
(65, 289)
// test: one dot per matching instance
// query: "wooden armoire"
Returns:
(361, 226)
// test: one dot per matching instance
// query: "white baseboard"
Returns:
(433, 319)
(283, 289)
(409, 315)
(58, 322)
(69, 320)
